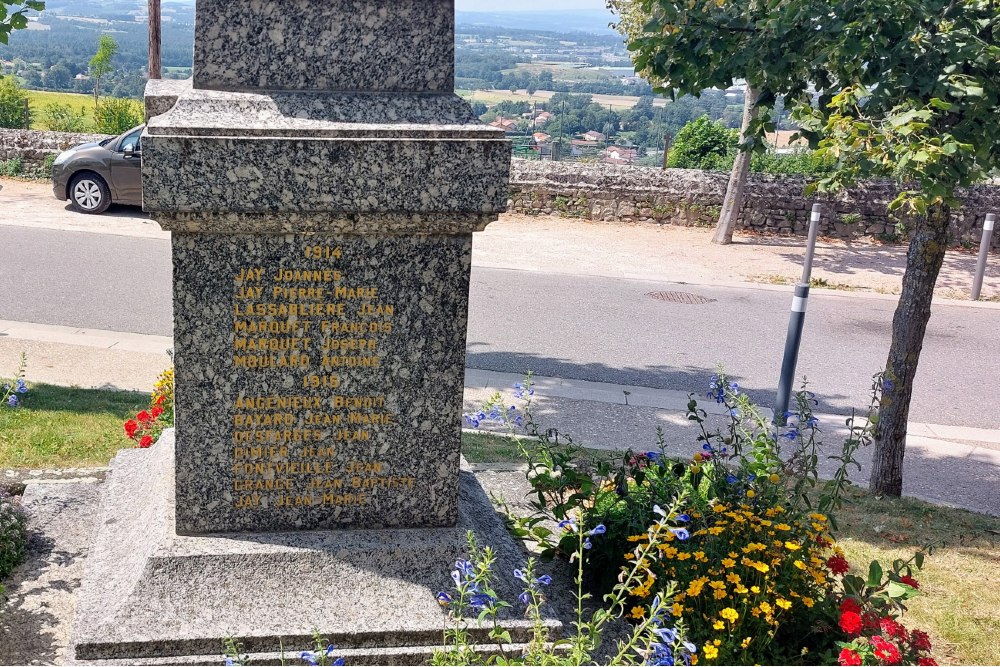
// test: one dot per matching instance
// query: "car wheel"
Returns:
(88, 193)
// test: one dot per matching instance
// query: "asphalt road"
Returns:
(580, 327)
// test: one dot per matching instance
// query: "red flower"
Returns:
(156, 411)
(920, 640)
(849, 657)
(909, 581)
(146, 441)
(143, 416)
(850, 604)
(886, 651)
(838, 564)
(850, 622)
(926, 661)
(131, 427)
(159, 399)
(892, 628)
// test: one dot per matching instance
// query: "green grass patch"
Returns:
(39, 99)
(58, 427)
(484, 448)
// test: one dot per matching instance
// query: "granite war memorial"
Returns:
(322, 183)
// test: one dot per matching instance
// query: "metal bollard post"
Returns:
(984, 251)
(795, 323)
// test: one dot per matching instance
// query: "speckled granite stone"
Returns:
(335, 161)
(352, 45)
(392, 459)
(161, 95)
(370, 592)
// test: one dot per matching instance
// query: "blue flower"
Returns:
(568, 523)
(658, 510)
(21, 388)
(544, 580)
(887, 385)
(465, 567)
(586, 543)
(731, 479)
(683, 518)
(707, 447)
(680, 533)
(599, 529)
(792, 434)
(751, 477)
(524, 598)
(472, 421)
(690, 647)
(812, 422)
(308, 657)
(520, 575)
(734, 413)
(457, 577)
(12, 401)
(668, 635)
(229, 662)
(481, 601)
(443, 599)
(653, 456)
(735, 387)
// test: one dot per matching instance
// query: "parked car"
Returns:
(92, 176)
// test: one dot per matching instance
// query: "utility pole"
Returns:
(153, 71)
(666, 148)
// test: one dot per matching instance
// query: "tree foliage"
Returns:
(101, 63)
(12, 99)
(704, 144)
(115, 116)
(12, 16)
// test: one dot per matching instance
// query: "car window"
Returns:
(134, 140)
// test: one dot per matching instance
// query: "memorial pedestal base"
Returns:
(150, 596)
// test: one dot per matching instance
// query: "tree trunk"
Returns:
(923, 263)
(97, 92)
(733, 202)
(154, 39)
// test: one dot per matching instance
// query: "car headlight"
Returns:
(62, 157)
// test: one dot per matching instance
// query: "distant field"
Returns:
(565, 72)
(39, 99)
(494, 96)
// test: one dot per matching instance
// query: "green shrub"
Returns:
(11, 167)
(63, 118)
(801, 162)
(12, 99)
(704, 144)
(114, 116)
(13, 534)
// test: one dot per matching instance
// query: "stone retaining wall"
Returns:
(33, 146)
(774, 204)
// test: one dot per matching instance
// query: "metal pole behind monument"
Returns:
(795, 323)
(984, 251)
(154, 69)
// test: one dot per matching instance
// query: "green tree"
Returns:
(101, 62)
(703, 144)
(919, 102)
(12, 18)
(64, 118)
(684, 48)
(12, 100)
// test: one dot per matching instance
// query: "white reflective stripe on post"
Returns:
(988, 224)
(799, 304)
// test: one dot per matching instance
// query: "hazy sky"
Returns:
(526, 5)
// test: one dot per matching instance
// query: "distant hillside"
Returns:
(595, 21)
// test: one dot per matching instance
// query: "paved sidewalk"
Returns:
(950, 465)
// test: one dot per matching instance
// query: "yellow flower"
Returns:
(741, 589)
(668, 551)
(698, 457)
(817, 517)
(696, 469)
(746, 642)
(774, 478)
(755, 589)
(783, 526)
(799, 564)
(717, 530)
(728, 562)
(733, 578)
(751, 493)
(694, 588)
(730, 614)
(683, 555)
(809, 602)
(765, 523)
(765, 607)
(637, 538)
(677, 609)
(792, 546)
(717, 584)
(719, 625)
(710, 652)
(783, 603)
(719, 594)
(638, 612)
